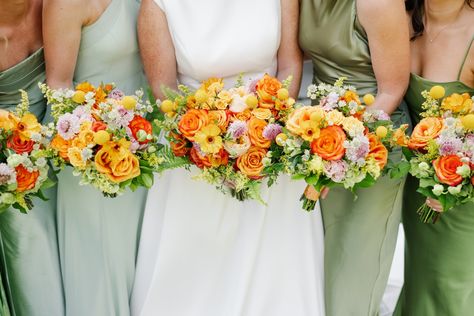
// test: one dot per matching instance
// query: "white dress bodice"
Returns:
(223, 38)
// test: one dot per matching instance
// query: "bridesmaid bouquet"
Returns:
(23, 158)
(227, 133)
(338, 142)
(441, 151)
(105, 136)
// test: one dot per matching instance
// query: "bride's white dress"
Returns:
(206, 254)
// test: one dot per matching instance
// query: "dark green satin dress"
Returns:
(28, 243)
(99, 236)
(439, 258)
(360, 235)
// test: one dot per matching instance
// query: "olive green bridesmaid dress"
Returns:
(360, 235)
(439, 258)
(98, 236)
(28, 242)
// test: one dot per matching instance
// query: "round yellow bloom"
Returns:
(468, 122)
(251, 101)
(283, 94)
(334, 117)
(101, 137)
(129, 102)
(281, 139)
(79, 97)
(369, 99)
(75, 157)
(381, 132)
(208, 139)
(437, 92)
(167, 106)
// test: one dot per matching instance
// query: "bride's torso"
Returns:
(215, 38)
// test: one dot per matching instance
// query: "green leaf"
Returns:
(147, 179)
(312, 180)
(367, 182)
(407, 153)
(427, 182)
(400, 170)
(297, 176)
(48, 183)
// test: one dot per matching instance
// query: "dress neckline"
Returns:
(103, 18)
(438, 82)
(34, 55)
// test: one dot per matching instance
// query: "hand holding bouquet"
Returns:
(23, 158)
(105, 136)
(441, 151)
(227, 133)
(338, 142)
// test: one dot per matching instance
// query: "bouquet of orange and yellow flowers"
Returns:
(227, 133)
(105, 136)
(23, 158)
(440, 151)
(338, 142)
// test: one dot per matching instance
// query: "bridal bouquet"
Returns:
(23, 158)
(338, 142)
(441, 150)
(227, 133)
(105, 136)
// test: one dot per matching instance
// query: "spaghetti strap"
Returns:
(465, 57)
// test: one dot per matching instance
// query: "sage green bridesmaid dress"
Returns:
(28, 242)
(360, 235)
(98, 236)
(439, 258)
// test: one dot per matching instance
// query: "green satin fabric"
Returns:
(98, 236)
(28, 243)
(360, 235)
(439, 258)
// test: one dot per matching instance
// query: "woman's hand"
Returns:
(434, 204)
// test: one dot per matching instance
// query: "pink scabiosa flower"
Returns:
(237, 129)
(449, 145)
(357, 149)
(116, 94)
(7, 174)
(68, 125)
(271, 131)
(82, 114)
(336, 170)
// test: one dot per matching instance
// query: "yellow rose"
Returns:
(116, 161)
(352, 125)
(75, 157)
(261, 113)
(334, 117)
(86, 137)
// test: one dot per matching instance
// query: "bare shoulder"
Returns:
(380, 7)
(73, 10)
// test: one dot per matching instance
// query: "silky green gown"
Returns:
(98, 236)
(28, 242)
(439, 258)
(360, 235)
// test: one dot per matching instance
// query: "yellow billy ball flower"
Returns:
(369, 99)
(101, 137)
(281, 139)
(283, 94)
(381, 132)
(468, 122)
(129, 102)
(201, 96)
(251, 101)
(79, 97)
(437, 92)
(167, 106)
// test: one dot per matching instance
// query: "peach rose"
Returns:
(427, 129)
(61, 145)
(220, 118)
(255, 132)
(300, 115)
(191, 122)
(75, 157)
(399, 136)
(330, 143)
(242, 116)
(19, 145)
(445, 168)
(267, 89)
(25, 179)
(377, 150)
(251, 163)
(116, 161)
(179, 145)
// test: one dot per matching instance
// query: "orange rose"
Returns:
(140, 123)
(116, 161)
(267, 89)
(25, 180)
(200, 161)
(251, 163)
(220, 118)
(377, 150)
(98, 126)
(85, 87)
(191, 122)
(399, 136)
(242, 116)
(445, 168)
(61, 146)
(330, 143)
(256, 127)
(427, 129)
(179, 145)
(19, 145)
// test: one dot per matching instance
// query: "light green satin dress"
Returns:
(439, 258)
(28, 242)
(360, 235)
(98, 236)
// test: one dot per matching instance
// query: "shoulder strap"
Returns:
(465, 57)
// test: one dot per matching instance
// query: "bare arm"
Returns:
(62, 25)
(156, 47)
(389, 43)
(290, 57)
